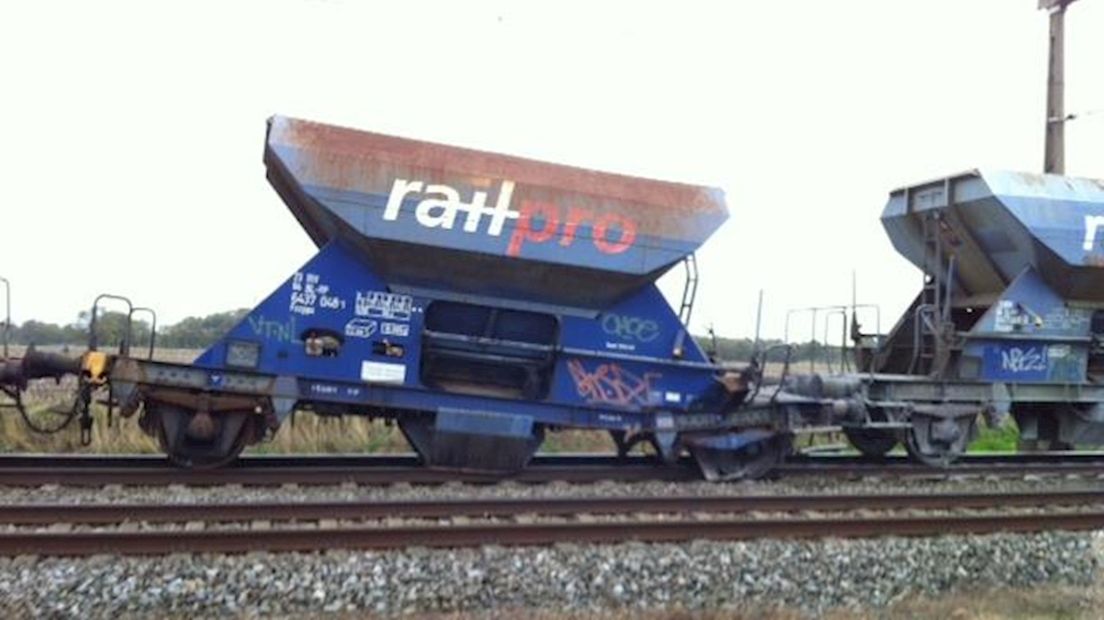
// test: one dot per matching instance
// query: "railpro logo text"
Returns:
(1093, 223)
(537, 222)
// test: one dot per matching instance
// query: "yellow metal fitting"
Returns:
(94, 364)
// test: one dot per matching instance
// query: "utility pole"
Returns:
(1054, 160)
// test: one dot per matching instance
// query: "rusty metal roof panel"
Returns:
(410, 205)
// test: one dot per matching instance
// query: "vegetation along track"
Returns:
(82, 529)
(81, 470)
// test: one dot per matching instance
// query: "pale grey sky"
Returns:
(132, 132)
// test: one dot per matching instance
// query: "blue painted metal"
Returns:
(606, 372)
(1031, 334)
(622, 361)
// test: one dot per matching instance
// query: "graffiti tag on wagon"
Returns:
(1030, 359)
(270, 329)
(611, 384)
(440, 206)
(627, 327)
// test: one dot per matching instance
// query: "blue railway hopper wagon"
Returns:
(479, 301)
(1010, 312)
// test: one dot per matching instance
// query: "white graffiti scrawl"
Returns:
(1031, 359)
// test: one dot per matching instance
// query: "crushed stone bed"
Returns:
(807, 575)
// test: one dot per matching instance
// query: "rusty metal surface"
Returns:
(362, 161)
(417, 209)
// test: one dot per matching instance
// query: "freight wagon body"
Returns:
(478, 300)
(1013, 295)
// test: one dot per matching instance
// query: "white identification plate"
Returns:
(379, 372)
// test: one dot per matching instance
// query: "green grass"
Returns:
(1004, 438)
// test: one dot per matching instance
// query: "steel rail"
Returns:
(903, 468)
(70, 470)
(569, 458)
(178, 512)
(255, 461)
(315, 539)
(276, 476)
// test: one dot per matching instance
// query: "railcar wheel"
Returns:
(198, 440)
(871, 442)
(750, 463)
(939, 441)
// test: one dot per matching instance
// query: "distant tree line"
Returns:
(742, 349)
(190, 333)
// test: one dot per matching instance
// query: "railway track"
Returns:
(147, 470)
(369, 525)
(321, 470)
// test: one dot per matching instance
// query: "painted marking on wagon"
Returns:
(1093, 223)
(439, 206)
(611, 384)
(1031, 359)
(270, 329)
(629, 327)
(384, 305)
(360, 328)
(309, 292)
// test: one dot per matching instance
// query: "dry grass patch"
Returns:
(304, 432)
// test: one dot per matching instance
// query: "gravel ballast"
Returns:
(808, 575)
